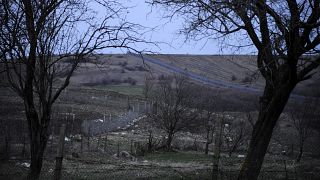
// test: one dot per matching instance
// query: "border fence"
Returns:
(92, 170)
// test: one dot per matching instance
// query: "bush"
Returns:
(123, 64)
(140, 68)
(130, 68)
(71, 60)
(246, 79)
(130, 81)
(233, 78)
(162, 77)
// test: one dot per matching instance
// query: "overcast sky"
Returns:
(167, 32)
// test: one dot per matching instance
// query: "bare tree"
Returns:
(207, 105)
(235, 136)
(172, 98)
(148, 85)
(208, 123)
(43, 40)
(302, 119)
(286, 35)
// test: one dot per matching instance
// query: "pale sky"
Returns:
(167, 32)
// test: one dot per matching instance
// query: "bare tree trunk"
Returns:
(38, 141)
(118, 149)
(105, 143)
(7, 140)
(131, 146)
(150, 142)
(88, 142)
(271, 106)
(60, 151)
(88, 138)
(169, 141)
(38, 136)
(300, 151)
(81, 143)
(207, 141)
(207, 148)
(98, 144)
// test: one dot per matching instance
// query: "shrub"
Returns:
(140, 68)
(130, 68)
(233, 78)
(246, 79)
(130, 81)
(123, 64)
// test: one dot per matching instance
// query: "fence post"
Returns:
(72, 129)
(57, 172)
(88, 138)
(99, 139)
(145, 105)
(105, 143)
(81, 136)
(118, 149)
(217, 148)
(131, 146)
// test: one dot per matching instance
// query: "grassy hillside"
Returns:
(124, 69)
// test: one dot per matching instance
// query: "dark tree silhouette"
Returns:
(43, 40)
(286, 35)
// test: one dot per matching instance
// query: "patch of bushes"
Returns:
(162, 77)
(105, 81)
(246, 79)
(112, 81)
(140, 68)
(130, 81)
(123, 64)
(135, 68)
(233, 78)
(129, 68)
(72, 60)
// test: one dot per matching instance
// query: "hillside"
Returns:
(222, 71)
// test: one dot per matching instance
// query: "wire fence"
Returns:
(92, 170)
(84, 136)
